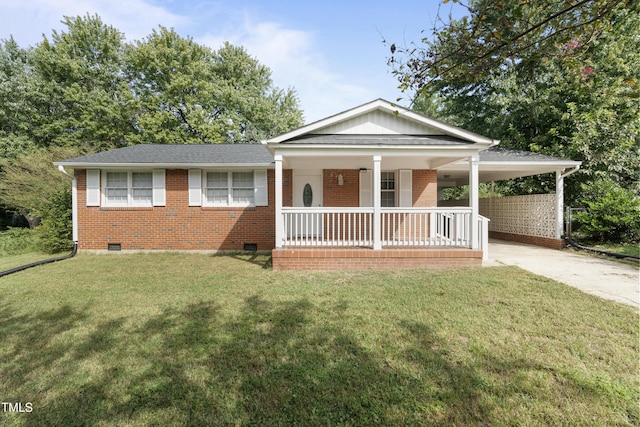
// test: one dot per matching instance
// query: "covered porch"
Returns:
(360, 190)
(372, 208)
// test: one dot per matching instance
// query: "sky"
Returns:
(331, 52)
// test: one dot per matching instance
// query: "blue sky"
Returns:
(330, 51)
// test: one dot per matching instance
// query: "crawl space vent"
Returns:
(114, 246)
(251, 247)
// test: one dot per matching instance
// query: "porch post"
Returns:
(279, 224)
(559, 204)
(473, 198)
(377, 220)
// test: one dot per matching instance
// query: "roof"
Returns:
(159, 155)
(499, 163)
(500, 154)
(390, 139)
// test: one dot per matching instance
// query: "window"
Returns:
(387, 189)
(229, 188)
(217, 188)
(128, 189)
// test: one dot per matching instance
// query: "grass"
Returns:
(11, 261)
(168, 339)
(628, 249)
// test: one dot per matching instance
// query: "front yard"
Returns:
(168, 339)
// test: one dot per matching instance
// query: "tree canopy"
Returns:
(571, 90)
(86, 89)
(496, 34)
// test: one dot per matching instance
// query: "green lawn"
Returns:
(8, 262)
(169, 339)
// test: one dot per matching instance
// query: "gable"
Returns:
(379, 122)
(381, 117)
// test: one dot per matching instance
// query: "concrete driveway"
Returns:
(602, 277)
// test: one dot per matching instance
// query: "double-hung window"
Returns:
(229, 189)
(387, 189)
(128, 189)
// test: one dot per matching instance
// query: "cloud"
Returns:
(28, 20)
(295, 56)
(296, 61)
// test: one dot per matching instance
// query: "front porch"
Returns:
(344, 238)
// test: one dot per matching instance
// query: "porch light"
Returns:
(340, 180)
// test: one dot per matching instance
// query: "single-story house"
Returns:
(359, 189)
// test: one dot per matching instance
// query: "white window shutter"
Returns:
(366, 186)
(159, 192)
(93, 187)
(405, 197)
(261, 188)
(195, 187)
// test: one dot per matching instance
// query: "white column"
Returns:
(473, 199)
(279, 222)
(559, 204)
(377, 220)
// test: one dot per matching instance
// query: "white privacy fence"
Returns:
(528, 215)
(354, 227)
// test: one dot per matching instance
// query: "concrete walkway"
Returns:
(602, 277)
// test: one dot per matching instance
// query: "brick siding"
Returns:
(546, 242)
(178, 226)
(368, 259)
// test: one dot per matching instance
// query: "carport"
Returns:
(536, 219)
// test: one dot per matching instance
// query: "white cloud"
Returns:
(296, 62)
(294, 55)
(28, 20)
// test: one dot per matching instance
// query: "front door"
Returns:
(307, 192)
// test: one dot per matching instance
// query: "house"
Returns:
(359, 189)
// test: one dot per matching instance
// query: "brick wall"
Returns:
(424, 188)
(341, 196)
(367, 259)
(546, 242)
(178, 226)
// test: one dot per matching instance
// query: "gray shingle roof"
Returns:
(215, 154)
(500, 154)
(361, 139)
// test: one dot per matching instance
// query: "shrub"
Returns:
(55, 230)
(612, 215)
(16, 241)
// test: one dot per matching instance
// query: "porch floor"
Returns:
(307, 258)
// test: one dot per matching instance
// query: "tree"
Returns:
(28, 182)
(82, 97)
(17, 78)
(498, 34)
(191, 94)
(578, 105)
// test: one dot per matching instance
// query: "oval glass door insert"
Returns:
(307, 196)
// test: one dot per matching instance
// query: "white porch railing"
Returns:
(328, 227)
(353, 227)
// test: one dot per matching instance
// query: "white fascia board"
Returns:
(75, 165)
(540, 166)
